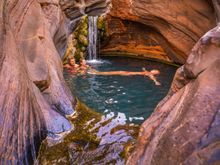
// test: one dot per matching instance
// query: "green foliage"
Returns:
(78, 42)
(101, 25)
(84, 139)
(81, 38)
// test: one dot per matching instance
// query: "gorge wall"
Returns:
(165, 30)
(184, 128)
(34, 98)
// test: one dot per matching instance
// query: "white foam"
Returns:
(96, 61)
(135, 118)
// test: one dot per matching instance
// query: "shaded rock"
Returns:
(76, 9)
(34, 97)
(175, 26)
(184, 127)
(132, 39)
(29, 58)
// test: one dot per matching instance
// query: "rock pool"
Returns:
(132, 98)
(105, 129)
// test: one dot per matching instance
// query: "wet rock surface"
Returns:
(184, 127)
(175, 26)
(96, 139)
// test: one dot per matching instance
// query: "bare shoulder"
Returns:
(67, 66)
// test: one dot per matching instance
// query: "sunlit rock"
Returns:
(173, 25)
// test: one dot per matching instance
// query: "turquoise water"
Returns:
(130, 98)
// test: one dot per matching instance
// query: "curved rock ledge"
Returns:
(132, 38)
(184, 128)
(173, 25)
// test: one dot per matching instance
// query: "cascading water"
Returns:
(93, 32)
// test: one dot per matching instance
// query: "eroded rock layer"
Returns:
(132, 39)
(175, 26)
(30, 63)
(34, 98)
(184, 128)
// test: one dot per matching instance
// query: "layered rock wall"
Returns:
(184, 128)
(34, 98)
(133, 39)
(33, 93)
(174, 25)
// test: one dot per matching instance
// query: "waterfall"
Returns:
(93, 32)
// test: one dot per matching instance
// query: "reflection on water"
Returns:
(107, 134)
(134, 96)
(96, 139)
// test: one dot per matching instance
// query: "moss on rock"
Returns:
(83, 40)
(78, 42)
(101, 25)
(81, 37)
(84, 144)
(77, 47)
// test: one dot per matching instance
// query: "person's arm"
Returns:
(154, 79)
(67, 66)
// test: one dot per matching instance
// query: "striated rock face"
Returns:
(132, 39)
(76, 8)
(173, 25)
(184, 129)
(34, 98)
(30, 60)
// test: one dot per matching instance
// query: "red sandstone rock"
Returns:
(34, 98)
(174, 25)
(184, 128)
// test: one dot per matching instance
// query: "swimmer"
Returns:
(151, 74)
(83, 67)
(71, 66)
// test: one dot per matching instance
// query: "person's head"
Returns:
(155, 71)
(72, 61)
(82, 61)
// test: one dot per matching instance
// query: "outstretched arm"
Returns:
(126, 73)
(154, 79)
